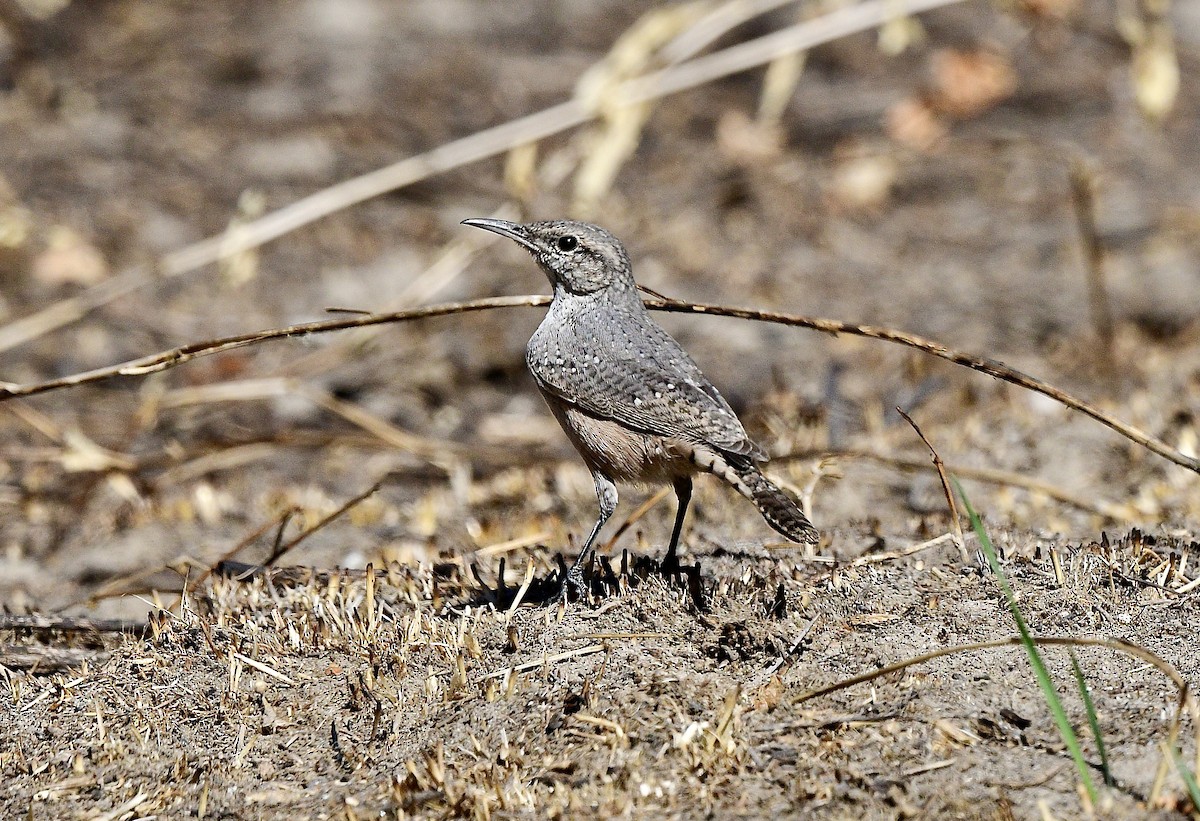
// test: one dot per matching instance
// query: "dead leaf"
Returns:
(915, 124)
(969, 83)
(746, 141)
(69, 259)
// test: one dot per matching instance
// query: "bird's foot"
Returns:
(573, 582)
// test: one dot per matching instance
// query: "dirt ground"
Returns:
(379, 668)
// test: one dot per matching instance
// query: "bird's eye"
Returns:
(567, 244)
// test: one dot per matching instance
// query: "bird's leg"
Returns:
(683, 492)
(606, 494)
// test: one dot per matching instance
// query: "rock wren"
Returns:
(632, 402)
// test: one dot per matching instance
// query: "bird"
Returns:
(634, 404)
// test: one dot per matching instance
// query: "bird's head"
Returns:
(578, 257)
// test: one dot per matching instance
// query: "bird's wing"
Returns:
(632, 371)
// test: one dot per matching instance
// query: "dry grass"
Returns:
(351, 692)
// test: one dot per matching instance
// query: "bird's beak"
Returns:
(504, 228)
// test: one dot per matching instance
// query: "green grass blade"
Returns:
(1035, 658)
(1093, 719)
(1188, 777)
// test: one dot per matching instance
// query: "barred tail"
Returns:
(780, 509)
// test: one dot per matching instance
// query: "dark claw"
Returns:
(573, 581)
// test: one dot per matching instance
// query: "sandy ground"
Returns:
(380, 670)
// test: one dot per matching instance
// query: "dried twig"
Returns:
(294, 574)
(636, 516)
(788, 656)
(280, 550)
(955, 525)
(904, 552)
(481, 145)
(1083, 195)
(225, 459)
(994, 476)
(241, 390)
(123, 810)
(982, 364)
(1128, 648)
(517, 599)
(544, 660)
(279, 522)
(991, 367)
(510, 545)
(42, 660)
(185, 353)
(228, 568)
(263, 668)
(713, 25)
(73, 624)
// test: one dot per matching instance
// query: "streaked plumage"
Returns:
(631, 400)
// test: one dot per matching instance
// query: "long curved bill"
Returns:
(504, 228)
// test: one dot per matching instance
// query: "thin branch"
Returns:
(1083, 196)
(281, 550)
(41, 660)
(982, 364)
(241, 390)
(279, 522)
(292, 574)
(1186, 700)
(547, 660)
(185, 353)
(940, 466)
(991, 367)
(1121, 646)
(994, 476)
(714, 25)
(72, 624)
(636, 516)
(803, 36)
(891, 555)
(457, 153)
